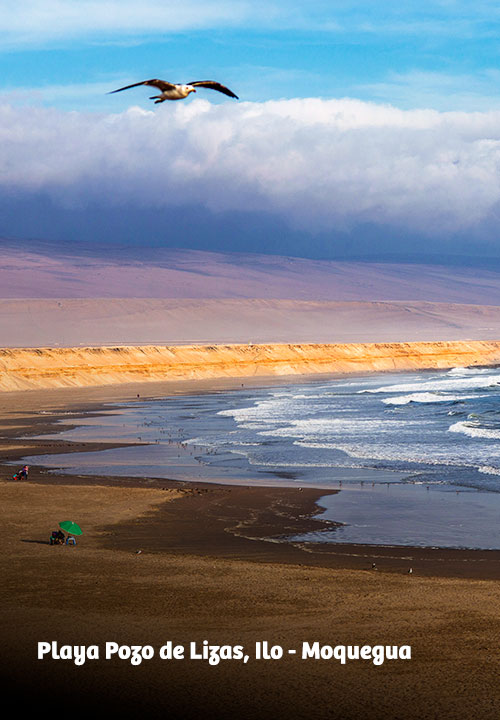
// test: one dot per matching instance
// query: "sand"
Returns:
(108, 321)
(204, 573)
(74, 270)
(23, 369)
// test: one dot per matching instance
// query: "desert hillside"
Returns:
(74, 271)
(74, 322)
(72, 295)
(23, 369)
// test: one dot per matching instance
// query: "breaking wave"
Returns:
(428, 397)
(475, 430)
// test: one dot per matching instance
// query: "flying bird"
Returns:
(174, 91)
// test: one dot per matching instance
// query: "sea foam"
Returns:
(453, 384)
(474, 431)
(428, 397)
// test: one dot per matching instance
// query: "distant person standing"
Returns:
(22, 474)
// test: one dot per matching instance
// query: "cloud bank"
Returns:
(318, 165)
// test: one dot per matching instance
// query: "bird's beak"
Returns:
(194, 90)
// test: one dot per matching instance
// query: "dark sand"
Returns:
(204, 572)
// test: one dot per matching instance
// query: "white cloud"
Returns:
(319, 164)
(33, 21)
(38, 22)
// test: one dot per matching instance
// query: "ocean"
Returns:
(415, 456)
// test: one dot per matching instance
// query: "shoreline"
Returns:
(186, 563)
(228, 520)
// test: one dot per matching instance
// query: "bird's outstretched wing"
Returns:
(160, 84)
(214, 86)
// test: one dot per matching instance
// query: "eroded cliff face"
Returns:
(25, 369)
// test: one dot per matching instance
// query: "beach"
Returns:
(250, 361)
(204, 573)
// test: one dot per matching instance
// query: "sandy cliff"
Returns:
(23, 369)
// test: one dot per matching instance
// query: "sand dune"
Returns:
(73, 271)
(22, 369)
(71, 295)
(128, 321)
(233, 317)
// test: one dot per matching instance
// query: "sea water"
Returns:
(416, 456)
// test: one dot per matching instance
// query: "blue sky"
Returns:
(443, 55)
(362, 127)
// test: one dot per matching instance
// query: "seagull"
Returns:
(174, 91)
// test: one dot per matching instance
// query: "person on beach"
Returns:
(56, 538)
(22, 474)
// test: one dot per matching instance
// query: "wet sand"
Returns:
(204, 572)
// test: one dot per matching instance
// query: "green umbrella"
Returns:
(71, 527)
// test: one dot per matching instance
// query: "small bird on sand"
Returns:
(176, 91)
(410, 571)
